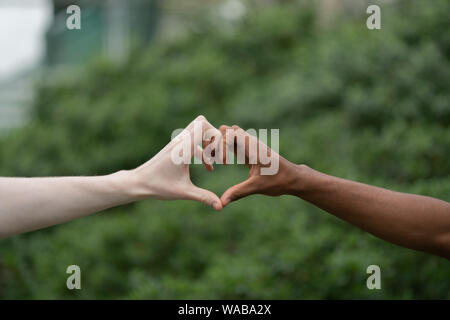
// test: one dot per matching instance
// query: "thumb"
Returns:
(205, 196)
(238, 191)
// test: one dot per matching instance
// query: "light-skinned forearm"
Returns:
(32, 203)
(28, 204)
(413, 221)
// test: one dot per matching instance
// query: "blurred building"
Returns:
(108, 27)
(15, 95)
(22, 27)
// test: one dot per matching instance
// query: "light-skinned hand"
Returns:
(161, 178)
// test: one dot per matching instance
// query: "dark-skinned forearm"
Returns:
(413, 221)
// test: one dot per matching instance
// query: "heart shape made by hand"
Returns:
(166, 176)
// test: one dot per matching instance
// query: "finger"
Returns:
(206, 143)
(213, 143)
(200, 123)
(202, 132)
(254, 150)
(241, 143)
(248, 146)
(239, 191)
(201, 156)
(199, 119)
(205, 196)
(226, 144)
(207, 164)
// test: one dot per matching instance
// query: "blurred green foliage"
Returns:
(372, 106)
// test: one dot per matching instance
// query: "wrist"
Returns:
(310, 181)
(130, 185)
(303, 180)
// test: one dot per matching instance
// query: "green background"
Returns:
(371, 106)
